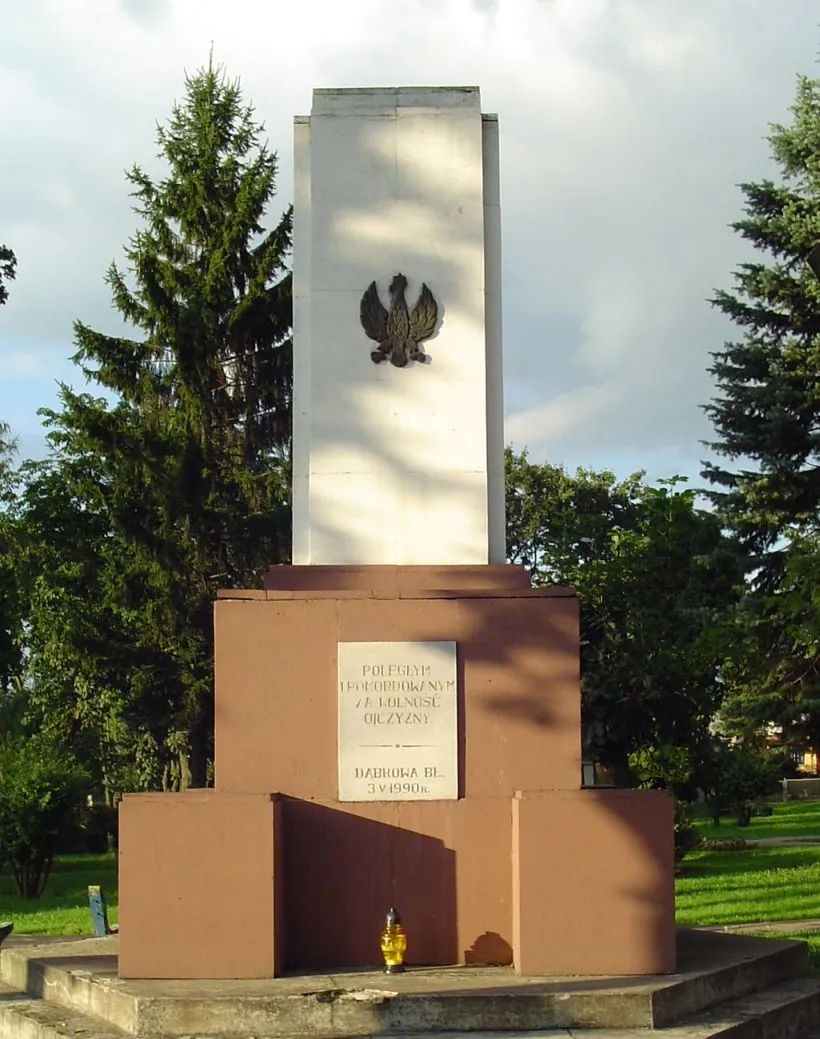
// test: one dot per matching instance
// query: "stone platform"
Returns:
(749, 988)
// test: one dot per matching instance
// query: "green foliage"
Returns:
(656, 580)
(687, 838)
(11, 606)
(99, 680)
(767, 425)
(40, 786)
(8, 269)
(759, 884)
(63, 906)
(665, 767)
(734, 777)
(769, 408)
(179, 487)
(670, 768)
(787, 819)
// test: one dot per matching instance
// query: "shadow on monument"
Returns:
(341, 874)
(489, 949)
(519, 730)
(577, 857)
(378, 237)
(490, 640)
(593, 867)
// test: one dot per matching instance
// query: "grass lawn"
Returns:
(728, 887)
(714, 888)
(758, 884)
(790, 819)
(63, 906)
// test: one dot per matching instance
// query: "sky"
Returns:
(625, 129)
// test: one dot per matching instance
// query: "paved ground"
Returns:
(768, 925)
(777, 842)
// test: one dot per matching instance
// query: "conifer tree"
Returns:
(8, 268)
(10, 604)
(185, 476)
(767, 423)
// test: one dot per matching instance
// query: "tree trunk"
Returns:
(198, 758)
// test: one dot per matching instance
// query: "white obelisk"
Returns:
(397, 465)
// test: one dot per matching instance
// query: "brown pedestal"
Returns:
(555, 879)
(199, 891)
(593, 882)
(277, 687)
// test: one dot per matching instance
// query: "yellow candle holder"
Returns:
(393, 942)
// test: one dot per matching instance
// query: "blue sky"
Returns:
(626, 126)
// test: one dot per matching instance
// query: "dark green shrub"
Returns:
(733, 778)
(41, 787)
(93, 830)
(687, 837)
(669, 768)
(101, 827)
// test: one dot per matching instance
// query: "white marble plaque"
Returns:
(397, 721)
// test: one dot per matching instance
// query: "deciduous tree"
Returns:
(656, 579)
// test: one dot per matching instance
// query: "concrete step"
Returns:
(715, 970)
(26, 1017)
(711, 972)
(790, 1010)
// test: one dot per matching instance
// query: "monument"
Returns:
(398, 712)
(397, 195)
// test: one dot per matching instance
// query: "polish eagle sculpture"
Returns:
(398, 331)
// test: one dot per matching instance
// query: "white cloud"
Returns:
(17, 365)
(625, 126)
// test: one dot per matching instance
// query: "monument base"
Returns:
(522, 868)
(200, 885)
(224, 886)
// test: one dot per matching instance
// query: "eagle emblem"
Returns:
(398, 331)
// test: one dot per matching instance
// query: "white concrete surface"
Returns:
(397, 465)
(492, 318)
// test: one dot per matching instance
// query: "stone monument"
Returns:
(398, 455)
(398, 712)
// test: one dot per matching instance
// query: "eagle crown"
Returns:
(398, 285)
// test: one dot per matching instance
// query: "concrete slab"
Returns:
(23, 1017)
(770, 926)
(81, 976)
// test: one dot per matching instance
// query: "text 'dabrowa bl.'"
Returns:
(398, 721)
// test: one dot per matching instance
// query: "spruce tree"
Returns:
(10, 602)
(8, 268)
(767, 423)
(185, 477)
